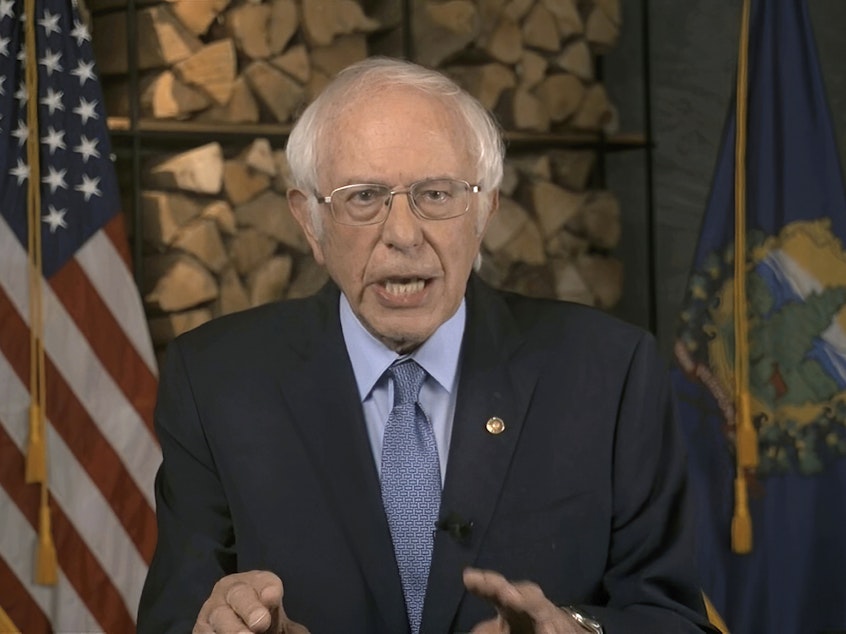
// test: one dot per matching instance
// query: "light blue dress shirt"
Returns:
(439, 356)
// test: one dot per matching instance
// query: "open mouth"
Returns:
(404, 286)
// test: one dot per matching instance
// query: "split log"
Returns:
(567, 17)
(540, 29)
(199, 170)
(259, 156)
(604, 276)
(569, 283)
(201, 239)
(249, 249)
(521, 110)
(553, 205)
(510, 179)
(197, 15)
(221, 213)
(441, 29)
(534, 167)
(601, 31)
(165, 97)
(322, 20)
(526, 246)
(612, 9)
(566, 245)
(164, 214)
(280, 94)
(531, 69)
(213, 69)
(560, 95)
(284, 22)
(486, 82)
(505, 43)
(343, 51)
(595, 112)
(162, 40)
(168, 327)
(241, 183)
(269, 213)
(233, 296)
(177, 282)
(268, 282)
(599, 220)
(295, 62)
(248, 24)
(505, 224)
(577, 59)
(516, 10)
(572, 169)
(241, 107)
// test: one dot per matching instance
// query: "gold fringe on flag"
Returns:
(746, 438)
(46, 564)
(46, 568)
(6, 623)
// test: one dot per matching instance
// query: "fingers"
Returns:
(241, 602)
(522, 607)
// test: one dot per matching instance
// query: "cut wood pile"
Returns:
(220, 237)
(217, 231)
(227, 61)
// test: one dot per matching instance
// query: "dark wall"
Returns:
(692, 54)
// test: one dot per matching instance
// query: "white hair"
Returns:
(364, 79)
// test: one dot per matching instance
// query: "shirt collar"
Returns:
(370, 357)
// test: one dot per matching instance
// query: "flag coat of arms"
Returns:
(760, 377)
(77, 371)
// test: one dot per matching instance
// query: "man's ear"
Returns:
(298, 202)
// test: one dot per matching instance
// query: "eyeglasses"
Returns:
(369, 204)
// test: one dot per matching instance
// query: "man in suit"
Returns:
(541, 487)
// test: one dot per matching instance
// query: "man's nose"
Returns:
(402, 228)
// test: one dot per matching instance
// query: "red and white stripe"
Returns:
(101, 381)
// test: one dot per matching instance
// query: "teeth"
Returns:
(404, 288)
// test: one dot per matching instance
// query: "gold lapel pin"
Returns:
(495, 425)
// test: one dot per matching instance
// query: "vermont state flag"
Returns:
(760, 377)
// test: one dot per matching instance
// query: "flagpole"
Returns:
(746, 439)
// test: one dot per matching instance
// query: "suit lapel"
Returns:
(494, 383)
(320, 389)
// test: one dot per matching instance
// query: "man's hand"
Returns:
(246, 602)
(522, 607)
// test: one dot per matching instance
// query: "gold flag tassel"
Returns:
(746, 438)
(46, 567)
(46, 564)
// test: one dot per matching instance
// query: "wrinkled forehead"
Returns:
(365, 118)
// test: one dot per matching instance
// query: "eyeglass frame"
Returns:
(327, 200)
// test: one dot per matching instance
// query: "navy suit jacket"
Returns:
(267, 465)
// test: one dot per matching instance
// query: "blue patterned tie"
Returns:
(411, 485)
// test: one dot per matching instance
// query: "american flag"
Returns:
(100, 370)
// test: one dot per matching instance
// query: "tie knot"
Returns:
(408, 379)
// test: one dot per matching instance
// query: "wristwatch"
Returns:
(588, 623)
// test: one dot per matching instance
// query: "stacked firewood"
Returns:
(228, 60)
(220, 236)
(217, 231)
